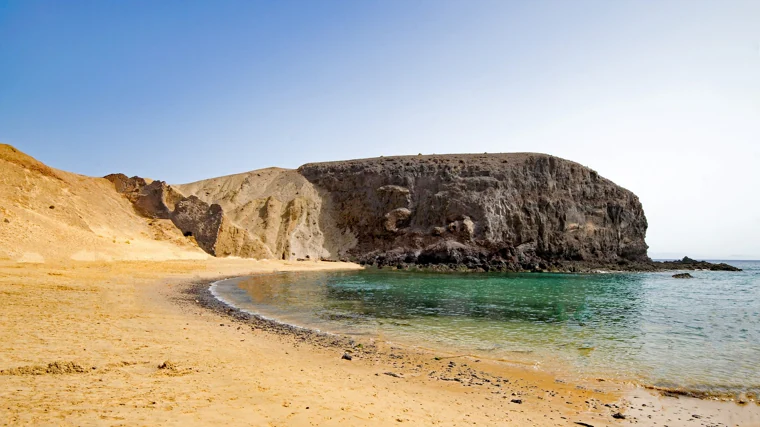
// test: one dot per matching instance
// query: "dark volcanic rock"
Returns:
(683, 276)
(518, 211)
(689, 264)
(212, 230)
(199, 219)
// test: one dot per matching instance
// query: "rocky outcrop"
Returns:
(157, 200)
(690, 264)
(125, 185)
(206, 223)
(214, 232)
(153, 200)
(493, 211)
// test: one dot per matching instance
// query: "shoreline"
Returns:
(127, 343)
(557, 266)
(207, 298)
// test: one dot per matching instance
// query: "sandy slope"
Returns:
(48, 214)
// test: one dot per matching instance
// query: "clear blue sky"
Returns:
(662, 97)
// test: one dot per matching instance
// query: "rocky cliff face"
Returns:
(492, 211)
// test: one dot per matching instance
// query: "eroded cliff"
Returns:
(491, 211)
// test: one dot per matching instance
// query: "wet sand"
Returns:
(126, 343)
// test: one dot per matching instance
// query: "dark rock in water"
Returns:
(683, 276)
(346, 356)
(689, 264)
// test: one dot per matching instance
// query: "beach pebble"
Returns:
(518, 401)
(346, 356)
(618, 416)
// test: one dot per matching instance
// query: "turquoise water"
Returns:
(700, 334)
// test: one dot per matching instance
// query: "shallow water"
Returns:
(700, 334)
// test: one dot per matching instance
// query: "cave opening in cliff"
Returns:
(188, 234)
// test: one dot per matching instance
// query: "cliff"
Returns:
(484, 212)
(491, 211)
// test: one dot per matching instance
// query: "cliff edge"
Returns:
(517, 211)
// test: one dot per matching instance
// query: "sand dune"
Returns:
(48, 214)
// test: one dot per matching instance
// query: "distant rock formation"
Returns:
(489, 212)
(690, 264)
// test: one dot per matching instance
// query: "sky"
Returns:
(662, 97)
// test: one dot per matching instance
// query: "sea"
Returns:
(700, 335)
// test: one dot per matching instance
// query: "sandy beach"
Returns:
(138, 343)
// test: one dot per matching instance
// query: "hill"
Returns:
(48, 214)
